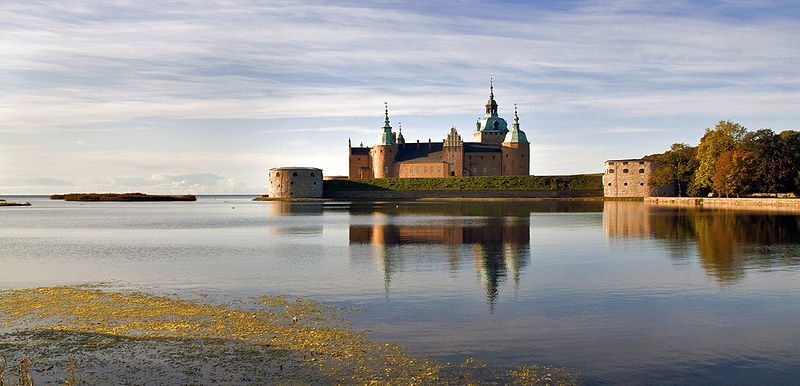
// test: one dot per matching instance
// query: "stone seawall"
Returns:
(417, 194)
(781, 204)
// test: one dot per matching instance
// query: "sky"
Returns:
(204, 97)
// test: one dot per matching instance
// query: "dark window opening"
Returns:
(294, 174)
(312, 174)
(624, 170)
(641, 170)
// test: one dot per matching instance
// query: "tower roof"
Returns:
(516, 135)
(491, 105)
(386, 137)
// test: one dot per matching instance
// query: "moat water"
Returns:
(619, 292)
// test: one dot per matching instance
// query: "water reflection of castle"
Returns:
(499, 246)
(726, 242)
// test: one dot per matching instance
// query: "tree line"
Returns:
(731, 161)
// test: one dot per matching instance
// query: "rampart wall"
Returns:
(778, 204)
(417, 194)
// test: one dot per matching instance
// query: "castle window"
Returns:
(494, 170)
(484, 170)
(438, 169)
(641, 184)
(625, 162)
(277, 174)
(641, 162)
(481, 157)
(410, 170)
(506, 155)
(641, 170)
(291, 182)
(469, 156)
(424, 169)
(386, 169)
(294, 174)
(609, 184)
(624, 170)
(474, 170)
(626, 184)
(492, 157)
(312, 174)
(610, 171)
(417, 169)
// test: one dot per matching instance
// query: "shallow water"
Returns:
(620, 292)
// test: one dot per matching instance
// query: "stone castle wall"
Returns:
(627, 178)
(295, 183)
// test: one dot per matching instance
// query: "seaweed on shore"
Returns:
(270, 339)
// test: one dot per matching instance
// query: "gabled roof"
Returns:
(420, 152)
(474, 147)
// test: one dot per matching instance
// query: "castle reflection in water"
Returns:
(495, 237)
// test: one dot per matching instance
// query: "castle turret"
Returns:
(384, 153)
(491, 128)
(516, 150)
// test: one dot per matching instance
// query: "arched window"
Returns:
(312, 174)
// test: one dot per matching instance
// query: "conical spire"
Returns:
(491, 105)
(400, 138)
(386, 138)
(515, 134)
(386, 120)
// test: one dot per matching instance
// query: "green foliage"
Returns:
(572, 182)
(675, 166)
(732, 161)
(725, 136)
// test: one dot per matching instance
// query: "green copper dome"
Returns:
(492, 122)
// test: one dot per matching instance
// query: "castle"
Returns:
(494, 151)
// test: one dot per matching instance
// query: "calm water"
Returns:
(617, 291)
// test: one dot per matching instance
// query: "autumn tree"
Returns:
(731, 175)
(725, 136)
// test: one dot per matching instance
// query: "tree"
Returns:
(731, 172)
(725, 136)
(675, 166)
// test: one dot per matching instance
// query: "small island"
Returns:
(121, 197)
(3, 202)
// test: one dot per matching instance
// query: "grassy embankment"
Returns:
(121, 197)
(139, 338)
(569, 182)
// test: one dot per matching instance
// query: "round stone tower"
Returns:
(295, 182)
(384, 152)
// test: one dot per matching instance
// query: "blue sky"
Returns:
(205, 96)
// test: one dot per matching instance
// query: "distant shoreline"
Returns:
(121, 197)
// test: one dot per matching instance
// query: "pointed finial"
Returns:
(400, 126)
(515, 109)
(386, 107)
(491, 86)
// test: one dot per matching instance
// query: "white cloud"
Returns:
(309, 69)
